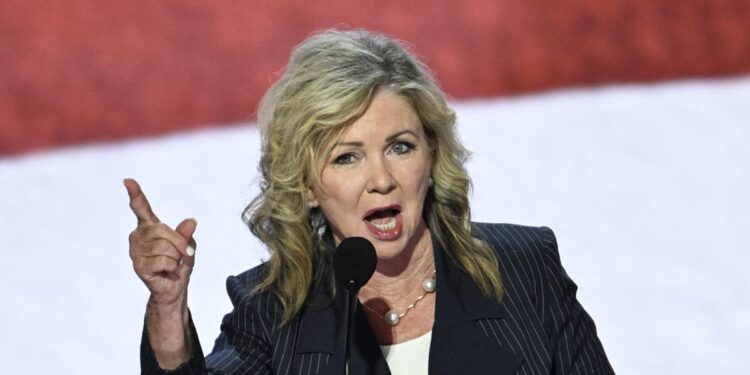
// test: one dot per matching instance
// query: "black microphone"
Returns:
(353, 265)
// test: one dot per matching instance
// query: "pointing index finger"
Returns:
(138, 202)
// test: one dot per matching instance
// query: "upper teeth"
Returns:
(390, 224)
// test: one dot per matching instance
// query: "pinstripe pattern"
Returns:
(540, 328)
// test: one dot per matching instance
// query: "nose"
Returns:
(380, 179)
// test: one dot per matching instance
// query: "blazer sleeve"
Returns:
(576, 346)
(194, 365)
(243, 346)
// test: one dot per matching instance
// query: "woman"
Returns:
(358, 141)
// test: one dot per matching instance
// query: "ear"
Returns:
(312, 200)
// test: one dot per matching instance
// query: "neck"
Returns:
(397, 281)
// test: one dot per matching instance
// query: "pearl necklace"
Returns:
(392, 317)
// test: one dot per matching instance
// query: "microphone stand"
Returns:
(351, 288)
(353, 264)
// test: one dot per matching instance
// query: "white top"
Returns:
(409, 357)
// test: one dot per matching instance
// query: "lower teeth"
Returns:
(387, 226)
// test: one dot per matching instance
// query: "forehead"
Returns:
(387, 113)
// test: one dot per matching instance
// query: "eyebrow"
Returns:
(387, 139)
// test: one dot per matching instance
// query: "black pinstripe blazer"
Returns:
(539, 328)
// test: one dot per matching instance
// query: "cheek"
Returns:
(420, 180)
(415, 185)
(336, 201)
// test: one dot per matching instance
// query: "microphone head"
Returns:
(354, 262)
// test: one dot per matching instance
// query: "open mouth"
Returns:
(383, 219)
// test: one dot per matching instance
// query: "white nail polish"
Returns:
(190, 250)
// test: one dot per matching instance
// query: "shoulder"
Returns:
(241, 287)
(540, 295)
(507, 238)
(527, 256)
(260, 307)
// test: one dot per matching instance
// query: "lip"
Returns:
(388, 235)
(389, 207)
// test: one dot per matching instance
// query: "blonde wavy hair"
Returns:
(329, 82)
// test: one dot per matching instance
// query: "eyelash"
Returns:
(408, 147)
(342, 159)
(339, 160)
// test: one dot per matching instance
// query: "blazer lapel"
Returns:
(323, 330)
(460, 342)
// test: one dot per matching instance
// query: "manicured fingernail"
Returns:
(190, 250)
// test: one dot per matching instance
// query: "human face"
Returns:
(375, 181)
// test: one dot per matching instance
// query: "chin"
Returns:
(389, 249)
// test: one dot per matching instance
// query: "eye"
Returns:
(402, 147)
(344, 159)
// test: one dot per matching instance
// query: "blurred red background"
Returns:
(76, 71)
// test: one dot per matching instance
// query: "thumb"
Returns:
(186, 229)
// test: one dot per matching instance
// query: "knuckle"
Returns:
(181, 242)
(136, 205)
(166, 248)
(151, 231)
(139, 267)
(166, 263)
(148, 230)
(162, 246)
(158, 247)
(151, 267)
(143, 251)
(158, 229)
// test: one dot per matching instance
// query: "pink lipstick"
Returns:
(385, 223)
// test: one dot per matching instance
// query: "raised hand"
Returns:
(163, 258)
